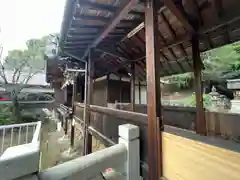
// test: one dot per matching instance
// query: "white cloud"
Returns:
(21, 20)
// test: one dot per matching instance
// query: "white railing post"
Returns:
(129, 135)
(37, 132)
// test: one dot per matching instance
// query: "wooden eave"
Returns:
(85, 23)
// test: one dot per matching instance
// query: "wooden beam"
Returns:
(197, 65)
(69, 45)
(132, 117)
(82, 38)
(112, 24)
(136, 13)
(97, 6)
(111, 53)
(90, 18)
(82, 34)
(179, 15)
(103, 139)
(228, 19)
(153, 91)
(77, 25)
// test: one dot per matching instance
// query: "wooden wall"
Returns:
(222, 124)
(100, 93)
(188, 156)
(119, 91)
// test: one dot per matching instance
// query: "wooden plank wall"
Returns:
(188, 156)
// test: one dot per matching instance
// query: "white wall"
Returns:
(143, 94)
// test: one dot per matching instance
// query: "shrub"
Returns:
(206, 100)
(5, 121)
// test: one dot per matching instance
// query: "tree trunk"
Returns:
(16, 114)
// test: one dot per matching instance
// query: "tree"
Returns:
(19, 67)
(236, 65)
(217, 62)
(34, 54)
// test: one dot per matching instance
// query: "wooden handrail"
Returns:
(105, 140)
(135, 117)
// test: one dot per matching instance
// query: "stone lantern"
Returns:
(215, 98)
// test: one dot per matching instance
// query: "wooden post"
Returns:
(66, 126)
(85, 111)
(197, 65)
(133, 86)
(73, 122)
(121, 91)
(139, 92)
(153, 91)
(107, 90)
(88, 97)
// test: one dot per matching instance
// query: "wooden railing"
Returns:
(104, 127)
(127, 115)
(179, 146)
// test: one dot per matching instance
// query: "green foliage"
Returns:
(5, 121)
(24, 64)
(206, 100)
(236, 47)
(33, 55)
(182, 81)
(216, 62)
(5, 114)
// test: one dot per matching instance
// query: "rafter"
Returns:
(76, 25)
(77, 48)
(97, 6)
(113, 54)
(75, 39)
(112, 24)
(78, 17)
(179, 15)
(82, 33)
(76, 43)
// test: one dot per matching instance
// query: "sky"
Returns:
(21, 20)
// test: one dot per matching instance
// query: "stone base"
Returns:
(235, 106)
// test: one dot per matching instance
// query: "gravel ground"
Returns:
(55, 148)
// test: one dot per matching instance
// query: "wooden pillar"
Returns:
(88, 100)
(85, 111)
(139, 92)
(107, 90)
(73, 122)
(121, 91)
(197, 65)
(66, 126)
(155, 126)
(133, 86)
